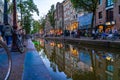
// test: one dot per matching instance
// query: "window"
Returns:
(109, 77)
(100, 65)
(110, 68)
(100, 15)
(109, 15)
(119, 72)
(109, 3)
(100, 2)
(119, 9)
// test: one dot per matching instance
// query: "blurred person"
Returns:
(7, 34)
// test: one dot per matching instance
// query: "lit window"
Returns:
(109, 77)
(110, 68)
(109, 3)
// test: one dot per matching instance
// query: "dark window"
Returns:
(100, 15)
(109, 3)
(100, 2)
(109, 15)
(119, 9)
(100, 65)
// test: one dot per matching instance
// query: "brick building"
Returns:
(108, 15)
(1, 12)
(70, 16)
(59, 18)
(59, 15)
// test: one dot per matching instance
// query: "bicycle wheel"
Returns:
(5, 62)
(20, 46)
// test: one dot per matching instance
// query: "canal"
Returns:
(71, 61)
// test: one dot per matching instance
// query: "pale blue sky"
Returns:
(44, 6)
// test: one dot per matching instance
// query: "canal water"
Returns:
(69, 61)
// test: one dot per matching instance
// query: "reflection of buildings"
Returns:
(84, 61)
(71, 60)
(60, 58)
(107, 66)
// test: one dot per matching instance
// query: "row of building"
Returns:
(67, 18)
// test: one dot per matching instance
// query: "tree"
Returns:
(36, 26)
(86, 5)
(26, 9)
(42, 22)
(51, 16)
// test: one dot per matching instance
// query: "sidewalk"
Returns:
(34, 68)
(29, 65)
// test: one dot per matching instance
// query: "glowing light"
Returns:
(74, 52)
(108, 58)
(52, 44)
(59, 45)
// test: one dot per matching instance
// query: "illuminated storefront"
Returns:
(73, 26)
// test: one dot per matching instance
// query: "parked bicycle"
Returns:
(5, 61)
(19, 40)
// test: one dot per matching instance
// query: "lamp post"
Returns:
(14, 47)
(5, 20)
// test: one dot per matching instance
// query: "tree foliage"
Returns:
(86, 5)
(51, 16)
(42, 22)
(36, 26)
(26, 8)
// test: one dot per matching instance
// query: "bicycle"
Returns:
(19, 41)
(5, 61)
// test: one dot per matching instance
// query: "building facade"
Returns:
(108, 15)
(59, 18)
(59, 15)
(48, 28)
(1, 12)
(70, 16)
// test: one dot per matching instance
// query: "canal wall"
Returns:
(101, 43)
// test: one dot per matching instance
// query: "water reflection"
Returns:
(76, 62)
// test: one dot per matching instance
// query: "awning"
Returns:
(85, 21)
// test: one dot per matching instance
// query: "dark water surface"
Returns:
(67, 61)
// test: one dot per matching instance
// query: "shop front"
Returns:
(73, 26)
(109, 25)
(100, 28)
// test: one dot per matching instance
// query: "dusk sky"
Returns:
(44, 6)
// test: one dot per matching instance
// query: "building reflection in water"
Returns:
(82, 63)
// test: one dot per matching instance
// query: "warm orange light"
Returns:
(74, 52)
(52, 44)
(59, 45)
(100, 27)
(108, 58)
